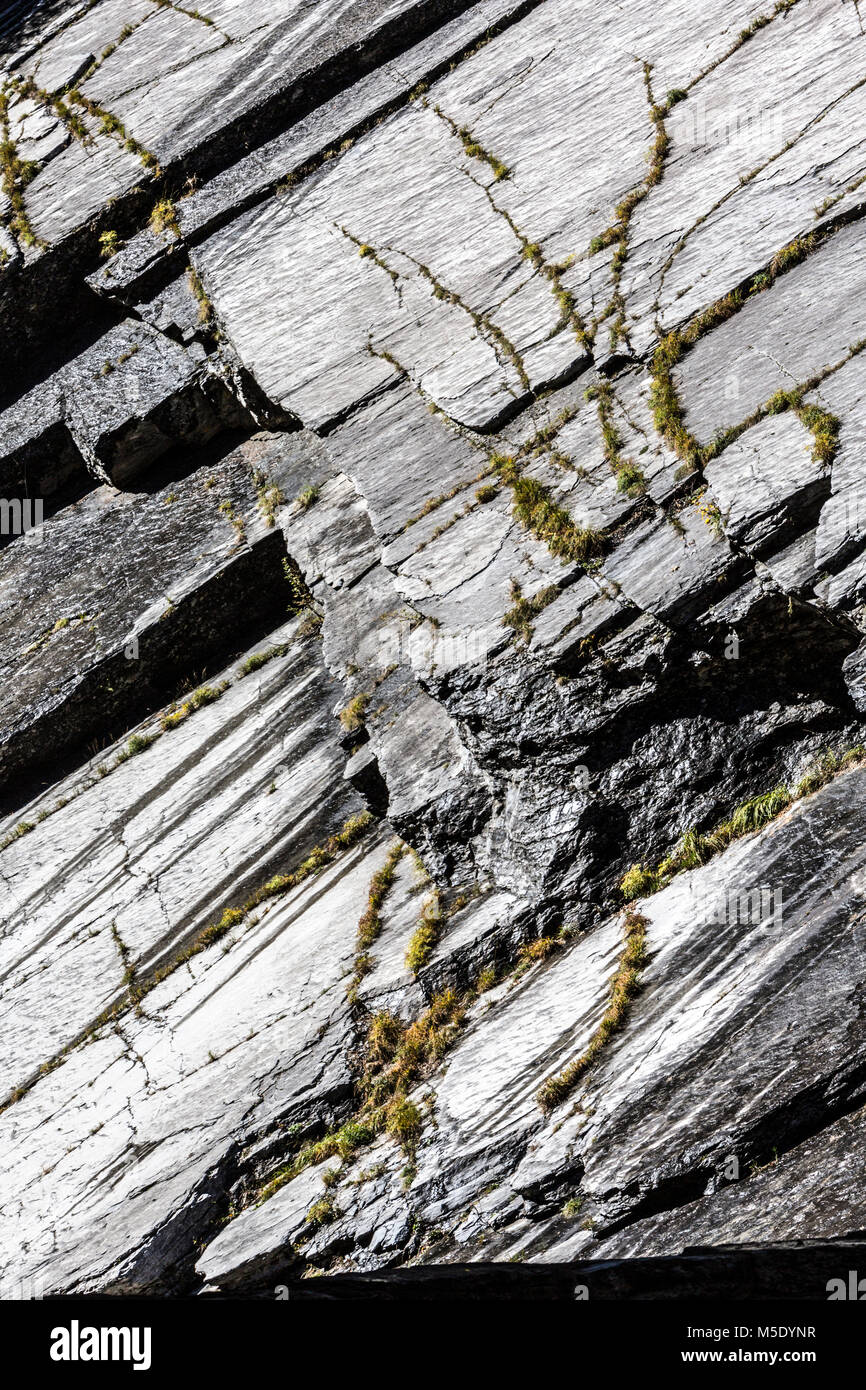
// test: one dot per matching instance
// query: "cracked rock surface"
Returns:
(432, 445)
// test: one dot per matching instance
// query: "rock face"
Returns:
(433, 639)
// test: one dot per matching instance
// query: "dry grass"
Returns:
(695, 849)
(396, 1058)
(370, 924)
(426, 934)
(353, 715)
(624, 988)
(519, 616)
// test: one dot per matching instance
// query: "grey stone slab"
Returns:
(322, 441)
(669, 568)
(114, 567)
(803, 324)
(767, 482)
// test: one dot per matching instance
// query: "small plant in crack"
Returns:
(163, 217)
(125, 956)
(26, 87)
(834, 198)
(206, 315)
(404, 1123)
(629, 477)
(23, 827)
(126, 33)
(669, 416)
(617, 234)
(762, 20)
(535, 508)
(624, 989)
(824, 428)
(353, 715)
(696, 848)
(227, 508)
(502, 345)
(15, 175)
(504, 348)
(301, 599)
(307, 497)
(473, 149)
(397, 1057)
(260, 659)
(322, 1212)
(109, 244)
(434, 503)
(370, 924)
(710, 514)
(139, 743)
(550, 271)
(781, 7)
(369, 253)
(108, 123)
(534, 952)
(519, 616)
(270, 496)
(787, 257)
(543, 441)
(205, 695)
(426, 934)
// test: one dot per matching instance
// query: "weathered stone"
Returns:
(804, 324)
(84, 651)
(767, 483)
(329, 343)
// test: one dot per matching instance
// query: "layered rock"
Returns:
(442, 441)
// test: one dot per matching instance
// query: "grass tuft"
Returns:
(624, 989)
(259, 659)
(322, 1212)
(137, 744)
(307, 497)
(370, 924)
(629, 477)
(695, 849)
(426, 934)
(352, 717)
(109, 244)
(404, 1123)
(519, 616)
(205, 695)
(163, 217)
(397, 1057)
(534, 507)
